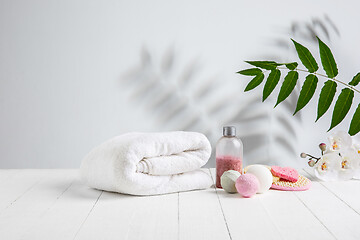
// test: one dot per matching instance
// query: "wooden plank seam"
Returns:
(82, 224)
(226, 224)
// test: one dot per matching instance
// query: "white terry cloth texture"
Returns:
(149, 163)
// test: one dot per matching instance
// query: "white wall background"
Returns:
(61, 65)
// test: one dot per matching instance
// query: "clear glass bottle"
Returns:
(229, 153)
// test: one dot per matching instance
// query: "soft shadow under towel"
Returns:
(149, 163)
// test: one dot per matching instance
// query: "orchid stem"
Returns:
(312, 157)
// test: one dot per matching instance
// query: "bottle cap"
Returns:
(229, 131)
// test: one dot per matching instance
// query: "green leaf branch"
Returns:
(327, 94)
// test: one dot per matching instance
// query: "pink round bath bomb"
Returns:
(247, 185)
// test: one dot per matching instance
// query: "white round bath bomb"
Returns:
(228, 180)
(264, 176)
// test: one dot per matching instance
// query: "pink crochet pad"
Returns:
(301, 184)
(286, 173)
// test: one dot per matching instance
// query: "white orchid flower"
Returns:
(340, 159)
(339, 140)
(349, 163)
(356, 143)
(328, 166)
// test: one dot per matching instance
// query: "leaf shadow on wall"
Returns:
(178, 97)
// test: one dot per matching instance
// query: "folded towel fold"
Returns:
(149, 163)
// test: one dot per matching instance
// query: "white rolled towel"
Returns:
(149, 163)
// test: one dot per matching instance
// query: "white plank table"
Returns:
(54, 204)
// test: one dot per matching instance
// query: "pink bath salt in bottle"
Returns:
(229, 153)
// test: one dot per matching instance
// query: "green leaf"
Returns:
(356, 79)
(326, 97)
(327, 60)
(292, 65)
(287, 86)
(307, 91)
(306, 58)
(355, 122)
(250, 72)
(255, 82)
(342, 106)
(268, 65)
(271, 83)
